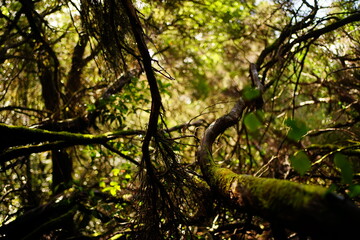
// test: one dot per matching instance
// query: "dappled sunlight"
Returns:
(172, 119)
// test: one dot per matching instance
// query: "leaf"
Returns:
(113, 191)
(347, 172)
(252, 122)
(107, 189)
(354, 191)
(112, 183)
(251, 93)
(115, 171)
(297, 129)
(116, 236)
(300, 162)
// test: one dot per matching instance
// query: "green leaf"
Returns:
(354, 191)
(250, 93)
(113, 191)
(347, 172)
(300, 162)
(116, 236)
(112, 183)
(252, 122)
(297, 129)
(107, 189)
(115, 171)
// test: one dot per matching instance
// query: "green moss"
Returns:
(274, 194)
(222, 177)
(264, 193)
(20, 135)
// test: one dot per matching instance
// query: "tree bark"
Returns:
(23, 141)
(310, 210)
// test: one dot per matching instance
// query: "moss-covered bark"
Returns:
(264, 194)
(307, 209)
(19, 140)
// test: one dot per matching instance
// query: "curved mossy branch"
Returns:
(204, 153)
(307, 209)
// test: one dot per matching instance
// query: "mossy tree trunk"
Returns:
(309, 210)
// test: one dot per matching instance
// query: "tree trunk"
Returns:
(310, 210)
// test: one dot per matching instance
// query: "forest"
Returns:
(168, 119)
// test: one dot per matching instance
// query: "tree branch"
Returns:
(307, 209)
(23, 140)
(154, 90)
(280, 46)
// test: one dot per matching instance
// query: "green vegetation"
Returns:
(171, 119)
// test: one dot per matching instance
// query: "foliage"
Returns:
(86, 131)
